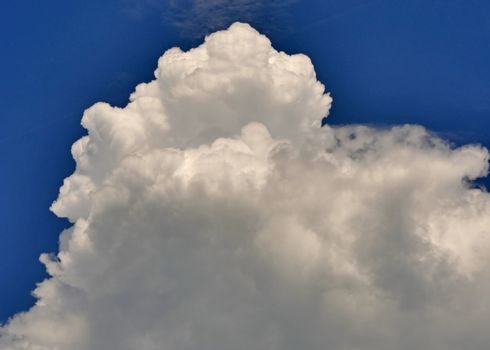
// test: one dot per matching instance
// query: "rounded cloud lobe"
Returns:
(213, 212)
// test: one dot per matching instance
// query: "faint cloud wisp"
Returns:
(197, 18)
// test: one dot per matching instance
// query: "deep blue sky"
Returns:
(385, 62)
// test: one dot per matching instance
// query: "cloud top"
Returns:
(213, 212)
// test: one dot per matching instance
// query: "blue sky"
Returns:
(385, 62)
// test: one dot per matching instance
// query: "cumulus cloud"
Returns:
(213, 212)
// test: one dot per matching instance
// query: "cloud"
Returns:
(197, 18)
(213, 212)
(210, 15)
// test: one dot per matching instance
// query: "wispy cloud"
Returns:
(196, 18)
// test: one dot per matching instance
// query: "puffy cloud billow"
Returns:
(214, 213)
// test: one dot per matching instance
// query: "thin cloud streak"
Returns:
(197, 18)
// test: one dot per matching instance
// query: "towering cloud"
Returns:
(214, 213)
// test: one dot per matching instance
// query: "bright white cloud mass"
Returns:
(214, 213)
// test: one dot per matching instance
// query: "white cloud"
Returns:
(212, 212)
